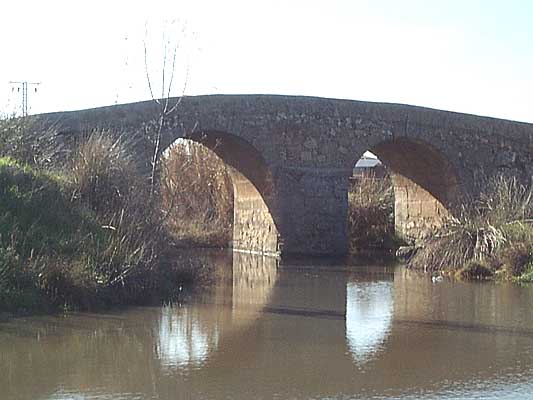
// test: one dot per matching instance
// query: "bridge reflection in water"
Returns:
(188, 335)
(369, 314)
(298, 330)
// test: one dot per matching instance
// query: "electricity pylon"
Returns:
(24, 86)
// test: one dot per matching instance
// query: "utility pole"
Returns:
(23, 85)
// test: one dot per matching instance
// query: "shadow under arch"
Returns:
(426, 186)
(255, 222)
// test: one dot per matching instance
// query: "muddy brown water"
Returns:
(306, 330)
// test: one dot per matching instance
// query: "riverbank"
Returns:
(84, 237)
(90, 234)
(491, 238)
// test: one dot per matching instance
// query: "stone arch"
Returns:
(255, 222)
(426, 186)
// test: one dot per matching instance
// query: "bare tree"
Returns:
(166, 103)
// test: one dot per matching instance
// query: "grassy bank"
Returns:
(492, 237)
(85, 236)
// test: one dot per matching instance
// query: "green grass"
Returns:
(82, 237)
(36, 215)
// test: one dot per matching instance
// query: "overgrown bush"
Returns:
(38, 227)
(18, 290)
(371, 213)
(469, 237)
(106, 180)
(475, 270)
(517, 257)
(83, 238)
(103, 172)
(494, 232)
(21, 139)
(506, 200)
(197, 195)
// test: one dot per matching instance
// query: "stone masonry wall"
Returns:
(253, 226)
(314, 206)
(416, 212)
(309, 144)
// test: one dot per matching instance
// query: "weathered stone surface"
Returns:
(253, 226)
(417, 212)
(292, 157)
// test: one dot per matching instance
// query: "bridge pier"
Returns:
(313, 208)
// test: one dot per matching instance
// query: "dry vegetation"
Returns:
(85, 236)
(371, 214)
(91, 235)
(197, 196)
(491, 236)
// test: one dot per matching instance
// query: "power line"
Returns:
(24, 86)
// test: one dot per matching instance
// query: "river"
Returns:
(307, 329)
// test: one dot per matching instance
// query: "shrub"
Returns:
(527, 275)
(35, 215)
(492, 231)
(41, 235)
(20, 291)
(516, 257)
(475, 270)
(461, 240)
(371, 213)
(22, 140)
(106, 180)
(506, 200)
(103, 172)
(197, 195)
(85, 237)
(94, 247)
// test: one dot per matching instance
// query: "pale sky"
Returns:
(472, 56)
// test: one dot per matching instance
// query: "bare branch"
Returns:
(164, 68)
(146, 65)
(176, 105)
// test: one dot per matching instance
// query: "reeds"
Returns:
(495, 231)
(197, 195)
(371, 213)
(104, 174)
(90, 234)
(84, 237)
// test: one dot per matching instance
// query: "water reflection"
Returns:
(182, 341)
(369, 313)
(295, 331)
(253, 278)
(188, 335)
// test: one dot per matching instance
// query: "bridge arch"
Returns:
(310, 145)
(426, 186)
(255, 222)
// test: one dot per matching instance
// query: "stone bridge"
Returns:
(290, 159)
